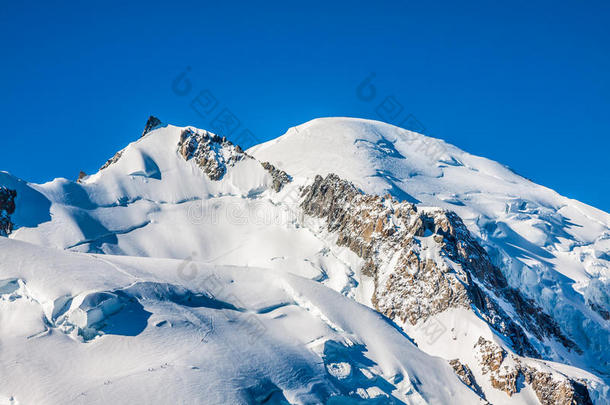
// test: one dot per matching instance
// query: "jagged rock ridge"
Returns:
(112, 160)
(378, 228)
(505, 371)
(152, 123)
(391, 236)
(280, 177)
(424, 266)
(551, 248)
(7, 208)
(215, 154)
(465, 374)
(212, 153)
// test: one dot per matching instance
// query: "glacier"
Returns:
(187, 270)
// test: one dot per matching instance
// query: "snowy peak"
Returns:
(502, 284)
(214, 154)
(362, 151)
(551, 248)
(425, 262)
(152, 123)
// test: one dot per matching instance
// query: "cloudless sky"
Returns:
(526, 83)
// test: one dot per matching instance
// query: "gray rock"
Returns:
(7, 208)
(280, 177)
(152, 123)
(378, 228)
(212, 153)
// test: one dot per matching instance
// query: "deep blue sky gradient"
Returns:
(524, 83)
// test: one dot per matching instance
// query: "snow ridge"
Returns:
(231, 276)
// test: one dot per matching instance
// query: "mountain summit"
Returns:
(346, 261)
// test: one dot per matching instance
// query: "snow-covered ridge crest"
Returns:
(425, 261)
(176, 197)
(555, 250)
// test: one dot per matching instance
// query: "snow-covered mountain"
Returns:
(347, 261)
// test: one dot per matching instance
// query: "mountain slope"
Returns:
(101, 329)
(552, 248)
(502, 290)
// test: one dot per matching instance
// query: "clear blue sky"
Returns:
(525, 83)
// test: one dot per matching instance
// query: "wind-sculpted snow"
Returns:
(205, 274)
(425, 262)
(551, 248)
(35, 208)
(233, 335)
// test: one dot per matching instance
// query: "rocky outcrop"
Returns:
(152, 123)
(280, 177)
(466, 376)
(7, 208)
(424, 262)
(552, 392)
(112, 160)
(508, 372)
(212, 153)
(215, 154)
(600, 310)
(491, 358)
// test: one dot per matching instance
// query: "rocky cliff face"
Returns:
(382, 230)
(215, 155)
(465, 374)
(7, 207)
(280, 177)
(418, 265)
(425, 261)
(152, 123)
(506, 370)
(112, 160)
(212, 153)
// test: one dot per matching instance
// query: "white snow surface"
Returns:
(150, 283)
(221, 335)
(554, 249)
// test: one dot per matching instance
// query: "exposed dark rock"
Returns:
(212, 153)
(550, 388)
(552, 392)
(280, 177)
(381, 229)
(600, 310)
(491, 356)
(465, 374)
(152, 123)
(461, 247)
(112, 160)
(81, 176)
(7, 208)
